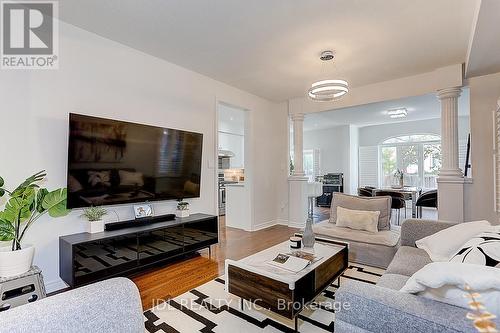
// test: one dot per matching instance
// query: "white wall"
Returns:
(479, 196)
(334, 144)
(102, 78)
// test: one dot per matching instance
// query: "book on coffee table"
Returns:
(295, 261)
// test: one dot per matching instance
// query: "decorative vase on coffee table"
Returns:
(308, 238)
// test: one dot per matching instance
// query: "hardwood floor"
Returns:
(166, 282)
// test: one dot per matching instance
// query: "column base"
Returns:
(451, 198)
(297, 201)
(450, 174)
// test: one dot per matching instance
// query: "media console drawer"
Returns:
(85, 258)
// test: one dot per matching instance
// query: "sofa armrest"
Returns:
(109, 306)
(415, 229)
(377, 309)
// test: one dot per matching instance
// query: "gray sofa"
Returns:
(364, 247)
(109, 306)
(383, 308)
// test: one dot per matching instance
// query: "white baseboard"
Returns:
(264, 225)
(282, 222)
(299, 225)
(55, 285)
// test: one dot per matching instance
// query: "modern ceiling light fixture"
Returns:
(398, 113)
(328, 90)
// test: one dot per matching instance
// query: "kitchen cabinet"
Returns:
(236, 144)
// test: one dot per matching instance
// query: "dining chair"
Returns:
(427, 199)
(364, 192)
(398, 201)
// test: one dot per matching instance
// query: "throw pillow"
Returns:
(358, 219)
(483, 249)
(442, 245)
(381, 204)
(446, 281)
(128, 178)
(102, 178)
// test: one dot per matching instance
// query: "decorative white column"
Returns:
(449, 132)
(297, 189)
(298, 144)
(451, 179)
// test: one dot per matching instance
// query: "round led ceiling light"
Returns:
(328, 90)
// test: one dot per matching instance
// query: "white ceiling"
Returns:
(419, 108)
(270, 47)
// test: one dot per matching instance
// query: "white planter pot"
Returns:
(95, 226)
(15, 262)
(182, 213)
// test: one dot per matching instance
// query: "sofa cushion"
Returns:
(392, 281)
(366, 220)
(381, 204)
(385, 237)
(408, 260)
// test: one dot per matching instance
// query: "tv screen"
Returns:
(115, 162)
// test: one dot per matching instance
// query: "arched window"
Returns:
(412, 138)
(418, 156)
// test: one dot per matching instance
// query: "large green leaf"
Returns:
(55, 203)
(16, 208)
(7, 231)
(39, 199)
(30, 182)
(1, 182)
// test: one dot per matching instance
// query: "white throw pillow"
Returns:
(358, 219)
(128, 178)
(483, 249)
(446, 281)
(442, 245)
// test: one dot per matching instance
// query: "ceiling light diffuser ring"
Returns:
(328, 90)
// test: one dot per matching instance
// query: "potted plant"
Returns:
(399, 175)
(182, 209)
(94, 217)
(24, 206)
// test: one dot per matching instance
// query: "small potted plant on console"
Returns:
(182, 209)
(94, 217)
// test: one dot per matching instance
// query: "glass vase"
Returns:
(308, 235)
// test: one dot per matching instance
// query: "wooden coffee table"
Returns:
(284, 292)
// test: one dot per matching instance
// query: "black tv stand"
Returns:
(86, 258)
(139, 222)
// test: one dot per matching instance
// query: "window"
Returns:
(418, 156)
(311, 162)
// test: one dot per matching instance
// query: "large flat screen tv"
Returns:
(115, 162)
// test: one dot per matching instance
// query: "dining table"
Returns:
(410, 193)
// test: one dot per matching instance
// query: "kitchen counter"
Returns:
(236, 184)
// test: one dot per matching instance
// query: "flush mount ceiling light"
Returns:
(328, 90)
(398, 113)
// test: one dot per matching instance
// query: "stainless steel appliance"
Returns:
(222, 193)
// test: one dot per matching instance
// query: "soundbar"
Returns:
(138, 222)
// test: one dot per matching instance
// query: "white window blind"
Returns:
(368, 166)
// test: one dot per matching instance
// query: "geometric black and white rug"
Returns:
(209, 308)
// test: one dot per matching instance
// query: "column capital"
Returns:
(449, 92)
(297, 116)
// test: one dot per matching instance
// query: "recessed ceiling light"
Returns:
(398, 113)
(232, 118)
